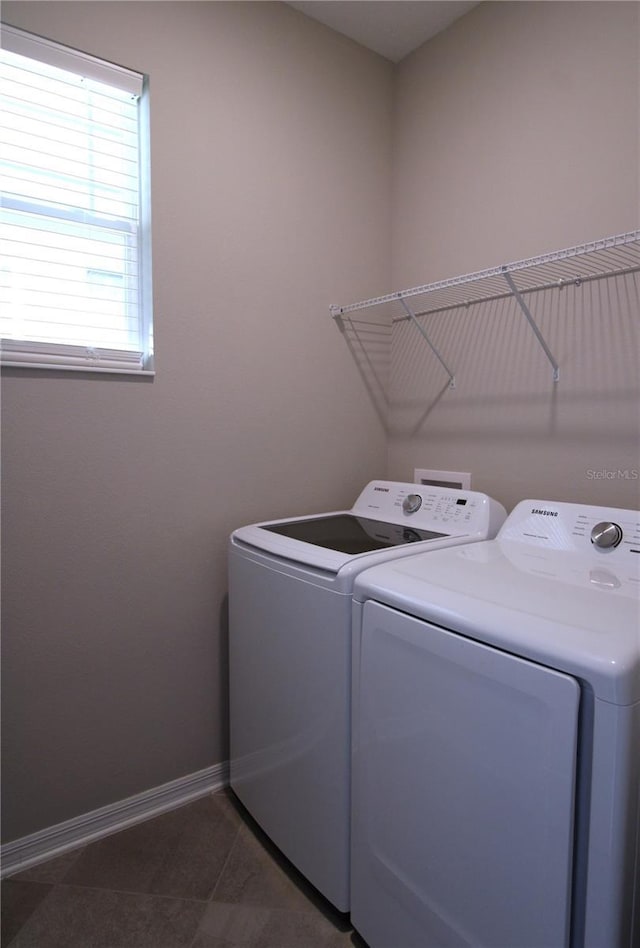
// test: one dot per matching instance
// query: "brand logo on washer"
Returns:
(544, 513)
(385, 490)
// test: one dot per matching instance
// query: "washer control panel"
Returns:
(425, 507)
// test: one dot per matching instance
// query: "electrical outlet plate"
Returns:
(453, 479)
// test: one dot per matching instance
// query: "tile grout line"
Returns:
(208, 902)
(52, 886)
(133, 892)
(224, 864)
(129, 892)
(215, 886)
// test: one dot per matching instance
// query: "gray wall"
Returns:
(516, 134)
(270, 169)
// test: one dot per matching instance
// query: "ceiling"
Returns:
(392, 28)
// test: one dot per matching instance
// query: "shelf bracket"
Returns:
(423, 333)
(336, 312)
(525, 309)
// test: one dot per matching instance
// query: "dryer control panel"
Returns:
(599, 531)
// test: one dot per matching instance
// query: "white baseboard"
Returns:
(58, 839)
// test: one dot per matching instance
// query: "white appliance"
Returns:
(496, 738)
(290, 586)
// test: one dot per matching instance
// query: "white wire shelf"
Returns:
(599, 259)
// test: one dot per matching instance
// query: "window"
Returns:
(75, 276)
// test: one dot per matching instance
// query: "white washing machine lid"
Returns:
(381, 524)
(540, 590)
(355, 555)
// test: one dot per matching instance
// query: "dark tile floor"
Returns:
(202, 876)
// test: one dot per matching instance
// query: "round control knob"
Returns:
(411, 503)
(606, 535)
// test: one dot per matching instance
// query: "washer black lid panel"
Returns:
(346, 533)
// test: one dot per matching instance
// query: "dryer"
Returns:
(290, 588)
(496, 738)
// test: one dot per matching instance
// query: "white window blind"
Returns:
(74, 213)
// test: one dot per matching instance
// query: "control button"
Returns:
(412, 503)
(606, 535)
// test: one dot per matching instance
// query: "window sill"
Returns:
(88, 368)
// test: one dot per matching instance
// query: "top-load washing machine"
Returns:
(496, 738)
(290, 586)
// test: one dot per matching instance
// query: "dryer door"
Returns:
(463, 794)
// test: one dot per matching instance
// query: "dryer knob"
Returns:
(606, 535)
(412, 503)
